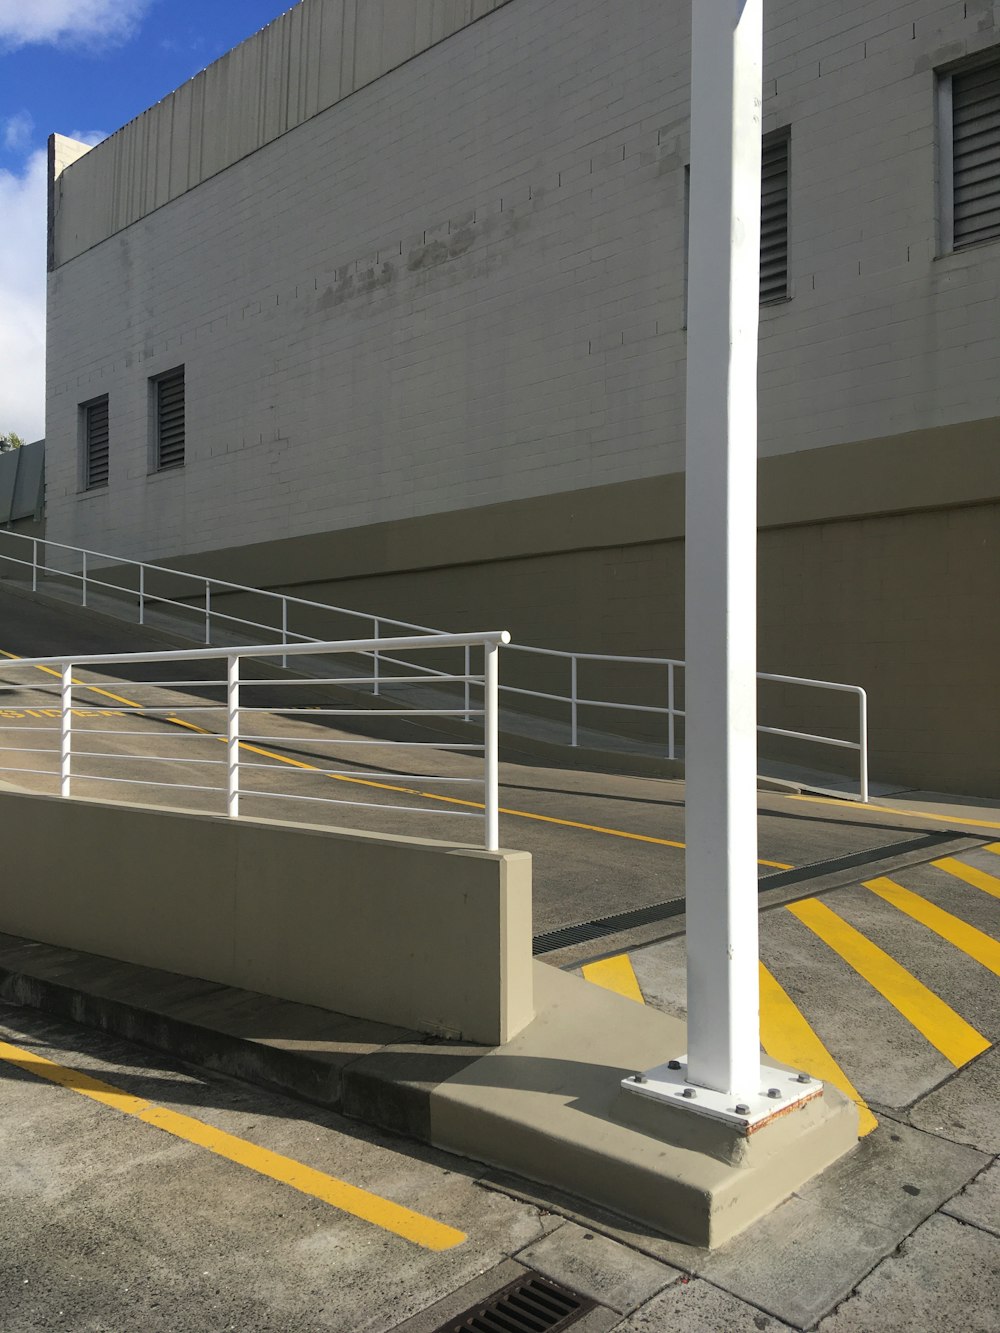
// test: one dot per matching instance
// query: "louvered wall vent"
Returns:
(97, 444)
(530, 1304)
(170, 420)
(774, 218)
(976, 154)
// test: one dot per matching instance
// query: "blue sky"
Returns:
(83, 68)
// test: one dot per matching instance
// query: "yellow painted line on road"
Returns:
(892, 810)
(979, 879)
(976, 943)
(393, 1217)
(405, 791)
(957, 1040)
(992, 847)
(786, 1035)
(615, 974)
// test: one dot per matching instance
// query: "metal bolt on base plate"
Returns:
(777, 1091)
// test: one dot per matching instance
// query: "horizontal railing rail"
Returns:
(240, 733)
(206, 612)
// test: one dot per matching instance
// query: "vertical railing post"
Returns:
(863, 737)
(233, 737)
(84, 601)
(491, 744)
(142, 594)
(66, 731)
(671, 748)
(284, 630)
(572, 699)
(468, 673)
(208, 612)
(375, 628)
(34, 564)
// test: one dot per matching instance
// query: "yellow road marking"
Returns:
(976, 943)
(946, 1030)
(415, 1227)
(615, 974)
(403, 791)
(891, 810)
(992, 847)
(787, 1036)
(979, 879)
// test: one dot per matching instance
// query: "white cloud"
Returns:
(91, 137)
(22, 298)
(18, 131)
(91, 22)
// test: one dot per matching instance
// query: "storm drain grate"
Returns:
(529, 1304)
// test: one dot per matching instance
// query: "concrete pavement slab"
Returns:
(979, 1202)
(112, 1223)
(965, 1108)
(810, 1253)
(801, 1261)
(597, 1267)
(896, 1177)
(945, 1276)
(698, 1307)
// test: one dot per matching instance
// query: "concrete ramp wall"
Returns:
(399, 930)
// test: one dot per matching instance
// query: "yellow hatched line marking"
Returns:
(892, 810)
(412, 1226)
(979, 879)
(615, 974)
(403, 791)
(786, 1035)
(992, 847)
(976, 943)
(946, 1030)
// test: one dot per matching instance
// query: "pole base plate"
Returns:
(778, 1092)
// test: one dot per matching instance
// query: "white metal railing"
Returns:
(205, 612)
(231, 720)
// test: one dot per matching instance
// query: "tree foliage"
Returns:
(10, 441)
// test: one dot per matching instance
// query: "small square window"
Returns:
(969, 154)
(168, 420)
(95, 438)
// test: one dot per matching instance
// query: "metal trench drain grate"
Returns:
(529, 1304)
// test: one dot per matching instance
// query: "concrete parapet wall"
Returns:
(301, 64)
(402, 931)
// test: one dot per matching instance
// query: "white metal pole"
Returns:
(208, 612)
(491, 745)
(34, 564)
(83, 601)
(721, 540)
(233, 737)
(66, 728)
(142, 594)
(375, 659)
(863, 737)
(284, 629)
